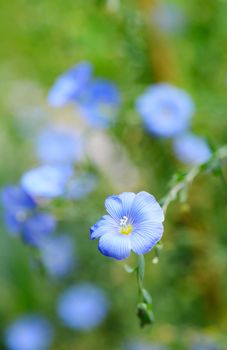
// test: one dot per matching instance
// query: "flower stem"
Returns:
(180, 186)
(184, 180)
(144, 307)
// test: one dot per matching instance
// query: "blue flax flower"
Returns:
(37, 227)
(22, 216)
(191, 149)
(165, 110)
(30, 332)
(68, 86)
(47, 181)
(17, 206)
(100, 102)
(144, 346)
(82, 307)
(58, 255)
(168, 18)
(59, 147)
(205, 344)
(134, 223)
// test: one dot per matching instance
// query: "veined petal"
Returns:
(127, 200)
(145, 236)
(146, 208)
(113, 205)
(115, 246)
(105, 225)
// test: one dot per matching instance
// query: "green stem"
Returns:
(140, 272)
(144, 307)
(187, 179)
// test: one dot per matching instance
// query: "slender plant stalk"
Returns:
(144, 308)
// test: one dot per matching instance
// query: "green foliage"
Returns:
(39, 41)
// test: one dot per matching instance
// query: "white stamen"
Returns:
(123, 221)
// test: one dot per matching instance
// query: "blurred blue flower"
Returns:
(30, 332)
(81, 186)
(58, 255)
(205, 344)
(144, 346)
(165, 110)
(168, 18)
(46, 181)
(22, 216)
(37, 227)
(100, 103)
(82, 307)
(134, 223)
(16, 199)
(68, 87)
(59, 147)
(191, 149)
(17, 206)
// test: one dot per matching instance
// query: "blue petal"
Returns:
(116, 246)
(100, 102)
(82, 306)
(105, 225)
(46, 181)
(29, 332)
(58, 255)
(59, 147)
(37, 227)
(119, 206)
(146, 208)
(113, 205)
(12, 223)
(70, 85)
(14, 199)
(191, 149)
(165, 109)
(145, 236)
(127, 200)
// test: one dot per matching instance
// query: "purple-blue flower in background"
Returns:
(58, 255)
(81, 186)
(191, 149)
(205, 344)
(30, 332)
(59, 147)
(46, 181)
(165, 110)
(68, 87)
(17, 205)
(134, 223)
(137, 345)
(100, 102)
(82, 307)
(168, 18)
(22, 216)
(37, 227)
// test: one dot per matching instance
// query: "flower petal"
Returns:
(116, 246)
(127, 200)
(105, 225)
(113, 205)
(38, 227)
(145, 236)
(146, 208)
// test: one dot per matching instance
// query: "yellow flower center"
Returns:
(125, 228)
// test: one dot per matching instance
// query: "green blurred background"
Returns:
(42, 39)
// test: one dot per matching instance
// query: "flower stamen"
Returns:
(125, 228)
